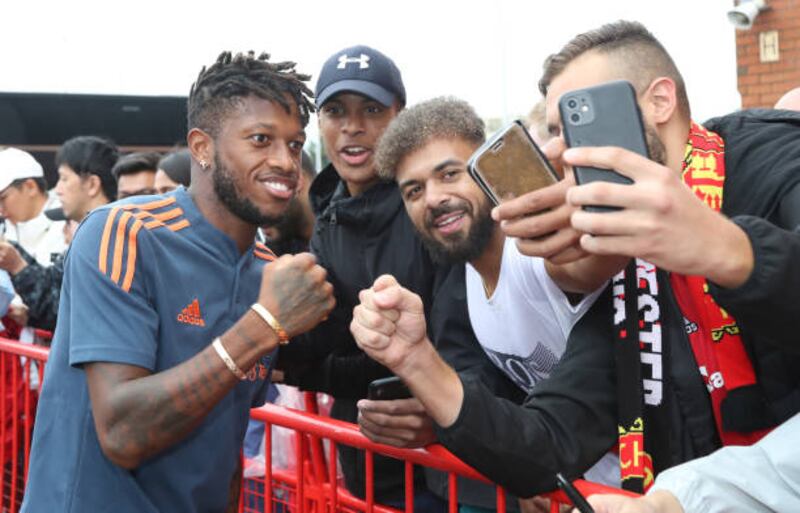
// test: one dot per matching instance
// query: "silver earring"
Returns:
(203, 164)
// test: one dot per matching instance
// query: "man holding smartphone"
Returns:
(744, 263)
(717, 208)
(362, 232)
(519, 312)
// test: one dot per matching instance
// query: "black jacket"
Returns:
(39, 287)
(569, 421)
(357, 240)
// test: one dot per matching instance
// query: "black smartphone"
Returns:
(510, 164)
(386, 389)
(603, 115)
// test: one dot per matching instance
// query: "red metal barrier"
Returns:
(315, 490)
(312, 487)
(21, 372)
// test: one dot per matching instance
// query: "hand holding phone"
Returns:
(510, 164)
(386, 389)
(603, 115)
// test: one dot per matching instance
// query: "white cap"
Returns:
(17, 164)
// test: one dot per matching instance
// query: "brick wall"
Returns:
(762, 83)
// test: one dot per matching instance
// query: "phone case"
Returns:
(510, 164)
(386, 389)
(603, 115)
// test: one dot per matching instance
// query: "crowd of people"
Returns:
(536, 336)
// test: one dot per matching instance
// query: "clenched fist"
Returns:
(10, 259)
(295, 290)
(389, 323)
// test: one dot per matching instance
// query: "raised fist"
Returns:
(10, 259)
(295, 290)
(389, 323)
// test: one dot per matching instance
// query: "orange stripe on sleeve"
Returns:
(157, 220)
(103, 259)
(180, 225)
(152, 205)
(265, 256)
(119, 245)
(131, 267)
(169, 214)
(260, 246)
(155, 223)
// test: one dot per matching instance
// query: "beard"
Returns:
(227, 191)
(655, 146)
(459, 249)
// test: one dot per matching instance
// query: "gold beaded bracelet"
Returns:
(283, 337)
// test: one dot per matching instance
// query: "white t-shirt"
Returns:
(524, 326)
(40, 236)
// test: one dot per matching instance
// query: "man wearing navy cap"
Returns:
(362, 231)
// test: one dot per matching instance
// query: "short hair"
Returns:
(136, 163)
(222, 86)
(638, 56)
(91, 155)
(440, 118)
(178, 166)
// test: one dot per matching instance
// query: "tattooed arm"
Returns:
(137, 413)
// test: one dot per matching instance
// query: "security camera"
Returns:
(744, 14)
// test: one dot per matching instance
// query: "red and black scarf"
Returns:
(641, 357)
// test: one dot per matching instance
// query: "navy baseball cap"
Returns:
(363, 70)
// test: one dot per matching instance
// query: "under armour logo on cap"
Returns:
(361, 70)
(362, 60)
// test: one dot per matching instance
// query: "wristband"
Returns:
(223, 354)
(283, 337)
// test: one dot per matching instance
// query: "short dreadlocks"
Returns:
(222, 86)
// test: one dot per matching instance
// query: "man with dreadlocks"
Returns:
(169, 315)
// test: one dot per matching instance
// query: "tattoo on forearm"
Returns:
(159, 410)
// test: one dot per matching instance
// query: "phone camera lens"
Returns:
(575, 117)
(572, 104)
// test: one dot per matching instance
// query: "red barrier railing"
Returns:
(313, 486)
(316, 494)
(21, 372)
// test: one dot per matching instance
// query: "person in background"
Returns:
(536, 123)
(23, 201)
(85, 182)
(135, 174)
(174, 169)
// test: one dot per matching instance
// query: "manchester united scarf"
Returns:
(641, 358)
